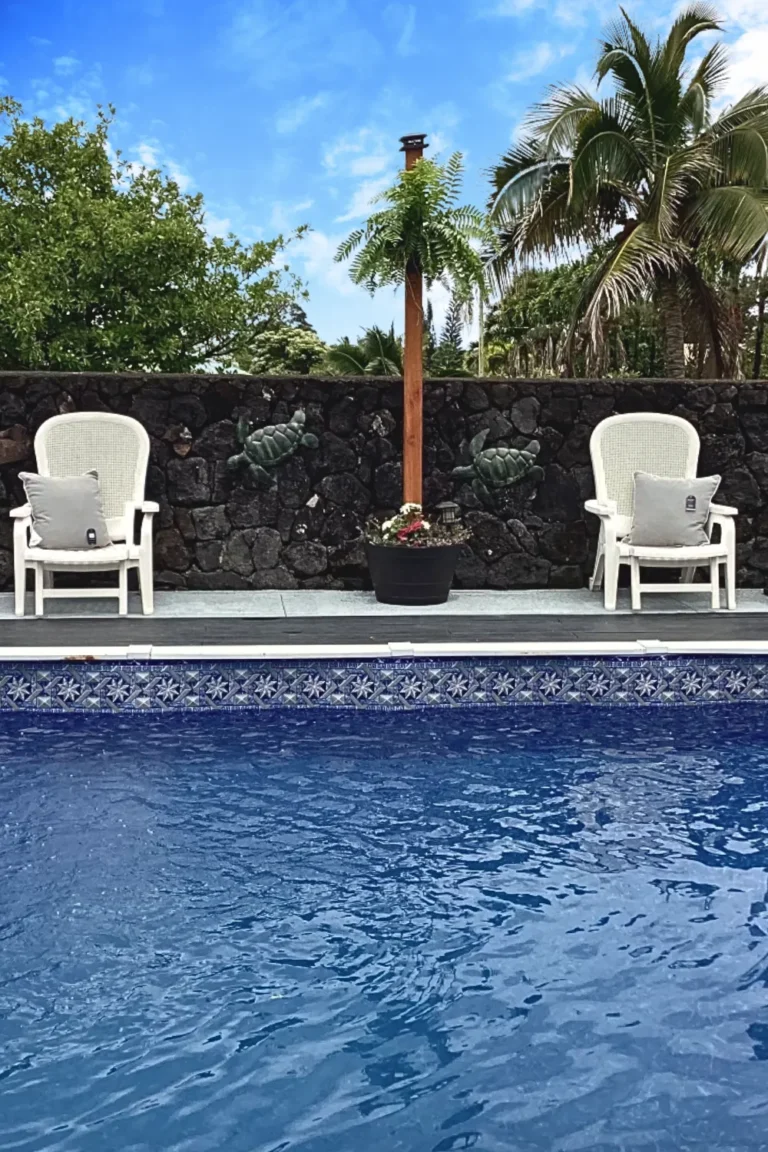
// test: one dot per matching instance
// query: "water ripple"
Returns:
(424, 934)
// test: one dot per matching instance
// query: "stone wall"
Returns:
(217, 529)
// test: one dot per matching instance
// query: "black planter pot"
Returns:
(403, 575)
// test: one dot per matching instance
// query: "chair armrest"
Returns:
(149, 507)
(722, 510)
(605, 511)
(22, 513)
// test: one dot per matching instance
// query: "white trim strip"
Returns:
(170, 653)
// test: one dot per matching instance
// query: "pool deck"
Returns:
(312, 624)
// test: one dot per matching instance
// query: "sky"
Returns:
(283, 112)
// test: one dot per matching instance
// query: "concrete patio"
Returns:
(298, 605)
(312, 623)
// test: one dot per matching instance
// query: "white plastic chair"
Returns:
(663, 446)
(118, 448)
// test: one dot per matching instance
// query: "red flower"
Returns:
(409, 529)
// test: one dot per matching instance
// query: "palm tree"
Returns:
(420, 235)
(378, 353)
(649, 173)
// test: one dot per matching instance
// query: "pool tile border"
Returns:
(412, 683)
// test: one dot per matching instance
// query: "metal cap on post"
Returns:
(413, 145)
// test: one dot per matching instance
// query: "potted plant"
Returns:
(421, 235)
(412, 559)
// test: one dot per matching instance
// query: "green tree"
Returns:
(448, 359)
(420, 235)
(649, 174)
(107, 268)
(377, 353)
(286, 350)
(528, 329)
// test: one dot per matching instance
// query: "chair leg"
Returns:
(122, 602)
(688, 575)
(47, 578)
(146, 580)
(19, 581)
(39, 600)
(611, 578)
(714, 579)
(596, 579)
(634, 575)
(730, 582)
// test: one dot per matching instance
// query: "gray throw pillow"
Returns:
(66, 512)
(671, 513)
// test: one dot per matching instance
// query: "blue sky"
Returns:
(289, 111)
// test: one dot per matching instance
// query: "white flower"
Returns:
(406, 508)
(387, 525)
(425, 524)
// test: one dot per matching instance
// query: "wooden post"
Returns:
(413, 374)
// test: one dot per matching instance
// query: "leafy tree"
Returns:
(287, 350)
(377, 353)
(421, 234)
(448, 359)
(649, 174)
(108, 268)
(421, 226)
(528, 329)
(429, 343)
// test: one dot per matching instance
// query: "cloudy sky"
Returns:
(289, 111)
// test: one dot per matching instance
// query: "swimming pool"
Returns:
(528, 928)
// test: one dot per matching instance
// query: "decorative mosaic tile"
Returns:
(399, 684)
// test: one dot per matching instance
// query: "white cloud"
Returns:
(283, 41)
(745, 13)
(65, 65)
(337, 306)
(285, 216)
(363, 197)
(747, 62)
(512, 7)
(139, 76)
(217, 225)
(292, 116)
(317, 251)
(534, 60)
(566, 12)
(402, 20)
(151, 155)
(369, 165)
(353, 146)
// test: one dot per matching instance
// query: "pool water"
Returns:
(542, 930)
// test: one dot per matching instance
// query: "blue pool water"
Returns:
(543, 931)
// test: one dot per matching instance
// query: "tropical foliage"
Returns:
(422, 227)
(673, 195)
(110, 268)
(289, 348)
(527, 330)
(376, 353)
(448, 358)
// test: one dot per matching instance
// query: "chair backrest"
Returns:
(640, 442)
(116, 446)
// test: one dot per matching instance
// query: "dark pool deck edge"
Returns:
(98, 633)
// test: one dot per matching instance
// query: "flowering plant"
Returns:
(410, 528)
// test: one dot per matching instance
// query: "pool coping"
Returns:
(388, 650)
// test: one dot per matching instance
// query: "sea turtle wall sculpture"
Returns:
(266, 448)
(493, 469)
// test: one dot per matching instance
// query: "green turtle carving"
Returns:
(267, 447)
(493, 469)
